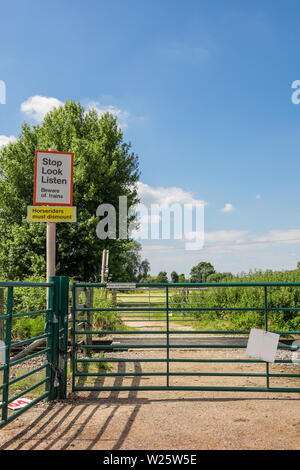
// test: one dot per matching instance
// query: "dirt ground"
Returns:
(159, 420)
(155, 420)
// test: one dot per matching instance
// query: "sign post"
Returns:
(51, 233)
(51, 249)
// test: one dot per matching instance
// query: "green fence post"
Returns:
(9, 310)
(168, 337)
(57, 322)
(74, 352)
(63, 313)
(266, 329)
(52, 328)
(49, 343)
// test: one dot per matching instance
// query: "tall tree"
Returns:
(174, 276)
(144, 270)
(104, 169)
(181, 278)
(162, 277)
(201, 271)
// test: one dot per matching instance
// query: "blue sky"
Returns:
(202, 90)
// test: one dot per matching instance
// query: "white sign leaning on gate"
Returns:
(262, 345)
(53, 178)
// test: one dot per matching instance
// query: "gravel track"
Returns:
(167, 420)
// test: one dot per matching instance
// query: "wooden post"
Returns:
(51, 244)
(114, 297)
(103, 266)
(51, 249)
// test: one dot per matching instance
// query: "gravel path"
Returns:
(167, 420)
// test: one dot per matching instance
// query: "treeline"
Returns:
(283, 300)
(202, 272)
(205, 272)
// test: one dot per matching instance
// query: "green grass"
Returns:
(24, 384)
(222, 298)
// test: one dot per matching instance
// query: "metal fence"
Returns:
(54, 340)
(170, 306)
(157, 338)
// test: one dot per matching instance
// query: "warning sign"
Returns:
(51, 214)
(20, 403)
(53, 178)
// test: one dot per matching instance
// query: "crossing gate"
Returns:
(48, 379)
(145, 338)
(131, 337)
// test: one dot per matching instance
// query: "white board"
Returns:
(121, 285)
(262, 345)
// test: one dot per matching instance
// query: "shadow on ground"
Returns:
(64, 422)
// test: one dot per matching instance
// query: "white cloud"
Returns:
(225, 236)
(286, 236)
(4, 140)
(220, 237)
(121, 115)
(36, 107)
(165, 196)
(258, 196)
(239, 239)
(227, 208)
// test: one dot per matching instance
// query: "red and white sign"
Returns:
(53, 178)
(20, 403)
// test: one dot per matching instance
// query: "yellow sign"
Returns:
(51, 214)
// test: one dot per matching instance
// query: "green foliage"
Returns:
(174, 276)
(104, 169)
(219, 277)
(106, 320)
(28, 327)
(29, 299)
(201, 271)
(162, 277)
(129, 265)
(144, 270)
(250, 297)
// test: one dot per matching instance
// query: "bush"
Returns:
(250, 297)
(29, 299)
(106, 320)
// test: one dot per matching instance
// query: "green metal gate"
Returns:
(159, 345)
(136, 333)
(51, 375)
